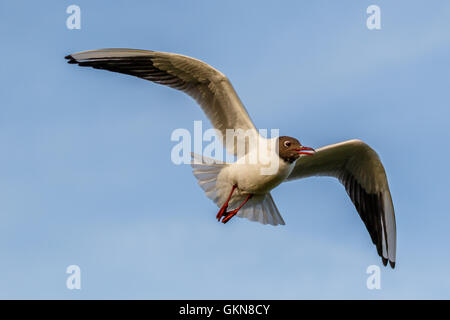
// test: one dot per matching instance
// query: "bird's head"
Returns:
(290, 149)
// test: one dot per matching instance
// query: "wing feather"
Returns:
(208, 86)
(359, 169)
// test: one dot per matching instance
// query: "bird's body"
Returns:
(255, 173)
(246, 175)
(243, 188)
(247, 171)
(249, 179)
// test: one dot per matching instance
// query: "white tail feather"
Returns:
(259, 208)
(206, 171)
(263, 210)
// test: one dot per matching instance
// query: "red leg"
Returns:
(231, 214)
(224, 208)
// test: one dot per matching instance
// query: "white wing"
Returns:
(208, 86)
(359, 169)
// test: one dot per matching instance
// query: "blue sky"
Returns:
(86, 176)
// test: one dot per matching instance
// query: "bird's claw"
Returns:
(229, 215)
(225, 215)
(221, 212)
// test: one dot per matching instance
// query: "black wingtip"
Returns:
(385, 261)
(392, 264)
(71, 59)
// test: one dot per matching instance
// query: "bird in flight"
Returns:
(241, 188)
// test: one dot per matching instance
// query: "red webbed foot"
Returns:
(232, 213)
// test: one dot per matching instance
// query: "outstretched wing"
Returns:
(208, 86)
(359, 169)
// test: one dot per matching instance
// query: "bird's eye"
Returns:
(287, 144)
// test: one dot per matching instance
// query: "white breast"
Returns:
(259, 171)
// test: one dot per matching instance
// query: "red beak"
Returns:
(306, 150)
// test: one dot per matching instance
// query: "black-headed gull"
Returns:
(241, 185)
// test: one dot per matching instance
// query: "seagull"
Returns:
(240, 188)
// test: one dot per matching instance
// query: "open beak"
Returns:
(306, 150)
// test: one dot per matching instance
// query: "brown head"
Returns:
(290, 149)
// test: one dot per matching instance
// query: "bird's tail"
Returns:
(206, 171)
(260, 208)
